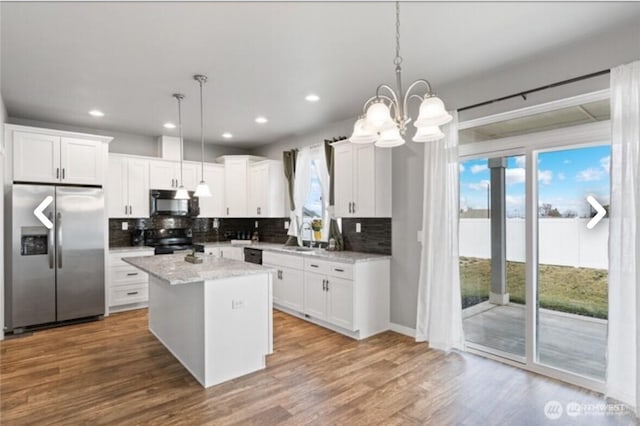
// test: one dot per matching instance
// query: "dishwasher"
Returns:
(253, 255)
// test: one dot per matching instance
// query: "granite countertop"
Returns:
(173, 269)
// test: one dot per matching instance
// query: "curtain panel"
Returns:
(289, 162)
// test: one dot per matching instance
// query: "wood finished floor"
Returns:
(115, 372)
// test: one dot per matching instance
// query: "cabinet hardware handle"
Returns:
(125, 209)
(338, 270)
(130, 209)
(58, 173)
(324, 284)
(354, 207)
(327, 285)
(131, 293)
(227, 211)
(131, 274)
(349, 206)
(313, 266)
(279, 274)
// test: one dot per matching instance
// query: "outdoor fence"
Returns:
(563, 242)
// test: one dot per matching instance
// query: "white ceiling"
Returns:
(59, 60)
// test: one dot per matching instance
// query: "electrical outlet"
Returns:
(237, 304)
(358, 227)
(286, 224)
(216, 223)
(256, 224)
(125, 226)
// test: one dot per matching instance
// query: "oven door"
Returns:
(163, 203)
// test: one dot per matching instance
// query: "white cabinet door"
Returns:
(258, 190)
(162, 175)
(364, 181)
(340, 305)
(36, 157)
(138, 187)
(288, 288)
(213, 206)
(190, 174)
(81, 161)
(235, 189)
(344, 175)
(117, 190)
(315, 296)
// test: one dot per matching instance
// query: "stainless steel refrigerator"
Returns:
(57, 248)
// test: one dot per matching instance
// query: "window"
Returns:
(315, 207)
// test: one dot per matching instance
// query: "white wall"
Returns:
(564, 242)
(134, 144)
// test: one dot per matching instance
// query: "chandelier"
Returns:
(386, 117)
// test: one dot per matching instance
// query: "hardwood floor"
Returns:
(115, 372)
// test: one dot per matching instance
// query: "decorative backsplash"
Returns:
(374, 238)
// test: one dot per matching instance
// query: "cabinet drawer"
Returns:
(123, 275)
(317, 266)
(123, 295)
(285, 260)
(341, 270)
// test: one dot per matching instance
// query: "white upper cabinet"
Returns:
(236, 170)
(266, 189)
(213, 206)
(127, 187)
(362, 180)
(53, 158)
(166, 175)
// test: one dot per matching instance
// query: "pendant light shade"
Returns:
(428, 134)
(362, 134)
(181, 193)
(390, 138)
(202, 190)
(432, 113)
(379, 116)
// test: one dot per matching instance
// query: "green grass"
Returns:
(580, 291)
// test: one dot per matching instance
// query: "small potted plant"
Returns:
(316, 225)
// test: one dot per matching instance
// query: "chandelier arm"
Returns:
(413, 85)
(394, 102)
(377, 98)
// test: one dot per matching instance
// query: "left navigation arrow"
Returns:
(38, 211)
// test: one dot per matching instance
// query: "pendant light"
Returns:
(202, 190)
(181, 193)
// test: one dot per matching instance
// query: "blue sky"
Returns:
(565, 179)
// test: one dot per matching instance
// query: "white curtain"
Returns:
(317, 153)
(301, 188)
(623, 351)
(439, 307)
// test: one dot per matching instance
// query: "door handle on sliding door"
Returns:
(51, 243)
(59, 239)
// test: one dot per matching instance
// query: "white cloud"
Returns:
(515, 175)
(589, 175)
(561, 176)
(545, 176)
(461, 168)
(477, 168)
(567, 161)
(605, 163)
(520, 161)
(480, 186)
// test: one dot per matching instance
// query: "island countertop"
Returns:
(173, 269)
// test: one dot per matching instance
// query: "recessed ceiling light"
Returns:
(261, 120)
(227, 135)
(169, 126)
(312, 98)
(96, 113)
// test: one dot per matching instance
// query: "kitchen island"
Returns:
(214, 317)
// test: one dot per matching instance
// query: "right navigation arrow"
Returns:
(600, 212)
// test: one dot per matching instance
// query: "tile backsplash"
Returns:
(375, 235)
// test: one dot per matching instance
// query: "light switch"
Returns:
(420, 236)
(125, 226)
(358, 227)
(286, 224)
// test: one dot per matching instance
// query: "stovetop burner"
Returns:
(168, 241)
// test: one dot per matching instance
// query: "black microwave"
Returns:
(163, 203)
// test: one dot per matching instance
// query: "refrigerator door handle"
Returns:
(59, 229)
(51, 246)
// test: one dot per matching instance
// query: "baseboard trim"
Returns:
(401, 329)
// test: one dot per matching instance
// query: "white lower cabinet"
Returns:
(350, 298)
(288, 287)
(128, 286)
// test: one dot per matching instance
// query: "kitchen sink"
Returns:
(304, 249)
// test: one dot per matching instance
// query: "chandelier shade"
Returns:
(428, 134)
(386, 114)
(362, 134)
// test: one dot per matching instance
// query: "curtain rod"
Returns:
(537, 89)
